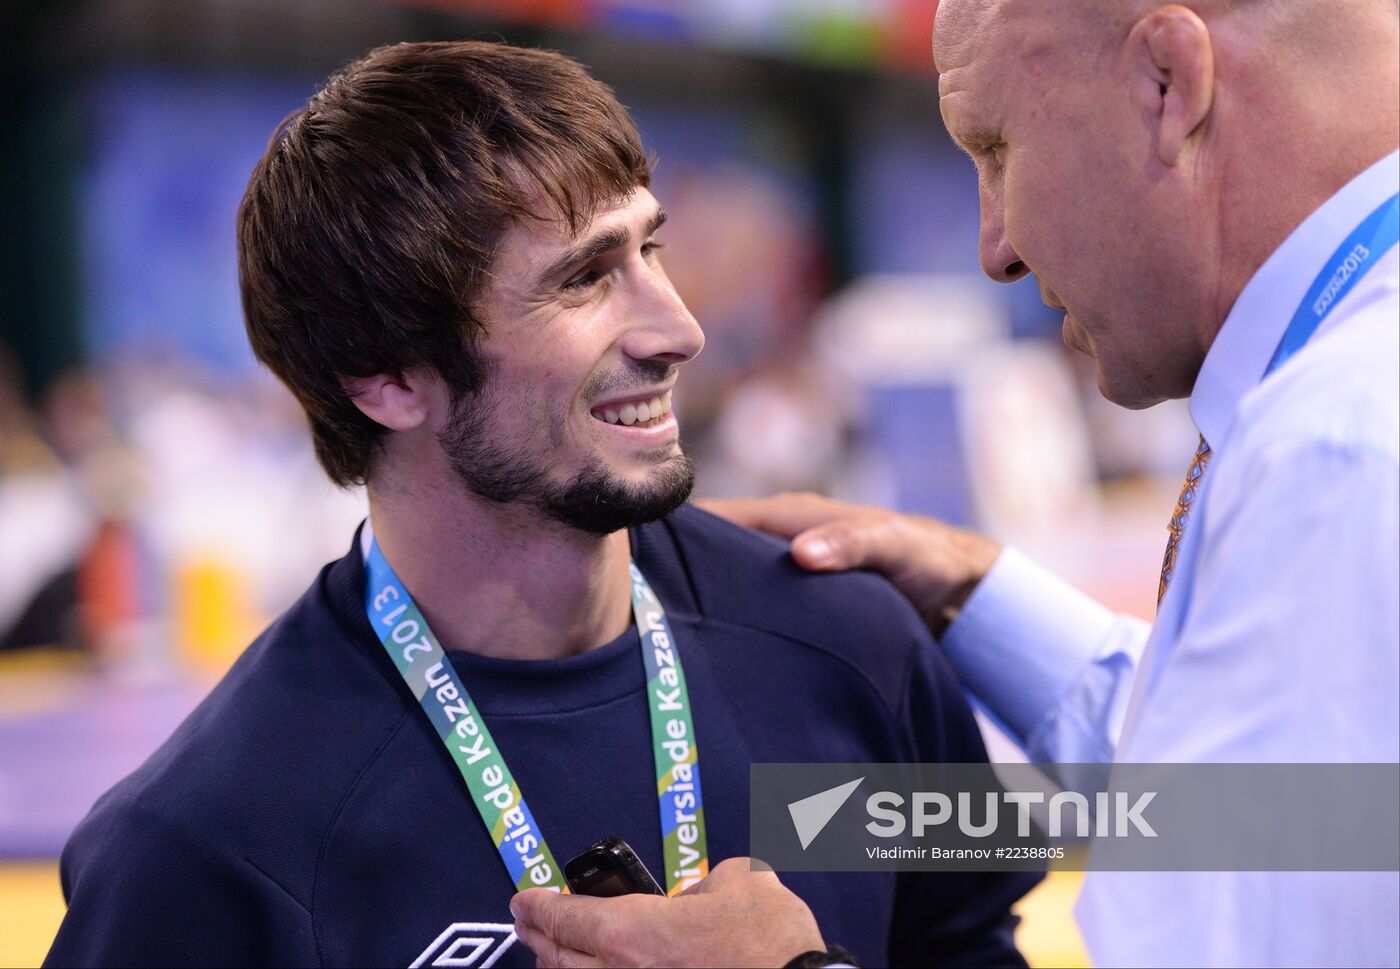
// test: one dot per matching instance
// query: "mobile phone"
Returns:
(610, 868)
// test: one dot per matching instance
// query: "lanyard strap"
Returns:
(679, 800)
(420, 660)
(1353, 259)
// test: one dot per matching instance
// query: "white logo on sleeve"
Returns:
(464, 944)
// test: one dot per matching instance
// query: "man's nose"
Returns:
(1000, 261)
(663, 328)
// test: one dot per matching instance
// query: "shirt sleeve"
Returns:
(1051, 665)
(143, 892)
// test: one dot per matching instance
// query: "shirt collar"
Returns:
(1246, 342)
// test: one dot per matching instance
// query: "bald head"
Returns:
(1100, 22)
(1143, 158)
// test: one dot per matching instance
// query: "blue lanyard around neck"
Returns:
(1353, 259)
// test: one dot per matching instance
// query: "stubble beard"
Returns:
(593, 501)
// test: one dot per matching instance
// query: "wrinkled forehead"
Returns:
(981, 47)
(955, 26)
(1000, 32)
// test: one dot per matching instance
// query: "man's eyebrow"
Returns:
(595, 246)
(656, 221)
(973, 136)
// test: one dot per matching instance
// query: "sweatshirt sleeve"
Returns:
(143, 891)
(950, 918)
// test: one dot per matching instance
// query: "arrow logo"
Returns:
(811, 814)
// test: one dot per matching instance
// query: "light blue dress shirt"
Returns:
(1279, 637)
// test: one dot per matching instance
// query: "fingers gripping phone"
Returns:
(610, 868)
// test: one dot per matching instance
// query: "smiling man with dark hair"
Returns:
(450, 257)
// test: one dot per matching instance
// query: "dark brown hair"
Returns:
(369, 224)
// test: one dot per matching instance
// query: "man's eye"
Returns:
(584, 280)
(650, 247)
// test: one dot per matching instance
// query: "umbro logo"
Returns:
(464, 944)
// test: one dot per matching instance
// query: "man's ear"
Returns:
(398, 401)
(1175, 67)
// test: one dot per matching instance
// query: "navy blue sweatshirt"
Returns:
(307, 814)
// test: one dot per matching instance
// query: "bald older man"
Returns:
(1208, 189)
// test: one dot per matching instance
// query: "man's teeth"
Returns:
(638, 413)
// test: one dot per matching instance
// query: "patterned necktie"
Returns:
(1190, 488)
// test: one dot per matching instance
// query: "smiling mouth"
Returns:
(642, 412)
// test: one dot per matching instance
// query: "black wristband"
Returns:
(817, 958)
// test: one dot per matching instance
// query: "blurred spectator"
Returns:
(45, 524)
(782, 428)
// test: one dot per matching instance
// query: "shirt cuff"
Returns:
(1022, 640)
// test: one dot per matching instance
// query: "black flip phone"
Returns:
(610, 868)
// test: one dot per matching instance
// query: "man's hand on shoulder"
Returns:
(735, 917)
(935, 565)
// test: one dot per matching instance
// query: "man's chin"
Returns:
(1131, 395)
(600, 502)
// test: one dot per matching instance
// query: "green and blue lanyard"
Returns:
(425, 668)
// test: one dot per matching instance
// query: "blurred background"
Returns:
(159, 501)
